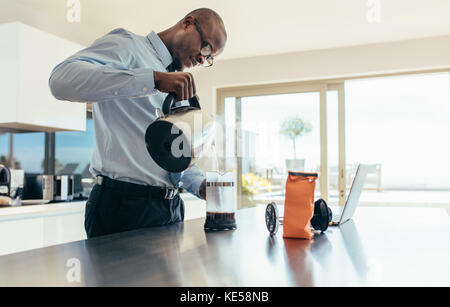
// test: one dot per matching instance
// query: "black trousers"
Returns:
(115, 208)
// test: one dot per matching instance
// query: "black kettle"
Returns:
(5, 181)
(180, 135)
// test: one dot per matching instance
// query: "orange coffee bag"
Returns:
(299, 205)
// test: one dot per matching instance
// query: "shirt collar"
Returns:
(161, 49)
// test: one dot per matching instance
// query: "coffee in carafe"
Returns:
(220, 201)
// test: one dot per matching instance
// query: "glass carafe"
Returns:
(220, 201)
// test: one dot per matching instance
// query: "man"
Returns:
(127, 77)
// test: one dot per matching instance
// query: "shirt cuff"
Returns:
(195, 184)
(189, 182)
(145, 82)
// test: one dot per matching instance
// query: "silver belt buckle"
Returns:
(99, 180)
(170, 193)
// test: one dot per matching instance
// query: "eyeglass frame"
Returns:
(208, 58)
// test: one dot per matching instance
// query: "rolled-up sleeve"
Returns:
(102, 72)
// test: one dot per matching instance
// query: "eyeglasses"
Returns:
(206, 49)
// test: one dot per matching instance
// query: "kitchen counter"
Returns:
(44, 210)
(29, 227)
(58, 209)
(382, 246)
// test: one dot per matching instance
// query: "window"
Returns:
(333, 147)
(265, 154)
(402, 125)
(73, 151)
(399, 125)
(28, 151)
(4, 149)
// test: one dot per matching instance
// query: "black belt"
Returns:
(137, 189)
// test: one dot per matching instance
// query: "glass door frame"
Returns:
(290, 88)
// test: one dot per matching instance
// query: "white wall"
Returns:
(402, 56)
(9, 62)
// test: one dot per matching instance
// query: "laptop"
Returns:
(353, 196)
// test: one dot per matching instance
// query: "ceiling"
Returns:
(255, 27)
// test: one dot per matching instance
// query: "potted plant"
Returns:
(294, 127)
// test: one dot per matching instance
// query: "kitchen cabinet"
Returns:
(29, 227)
(27, 57)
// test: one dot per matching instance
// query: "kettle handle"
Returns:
(7, 176)
(167, 104)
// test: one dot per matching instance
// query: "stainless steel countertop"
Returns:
(382, 246)
(55, 209)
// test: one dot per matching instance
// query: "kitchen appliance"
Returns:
(53, 188)
(5, 180)
(58, 188)
(220, 201)
(78, 191)
(32, 186)
(179, 135)
(17, 182)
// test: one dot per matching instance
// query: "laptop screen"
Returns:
(355, 192)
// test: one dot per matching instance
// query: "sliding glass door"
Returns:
(397, 124)
(284, 130)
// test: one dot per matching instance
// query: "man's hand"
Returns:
(203, 190)
(180, 83)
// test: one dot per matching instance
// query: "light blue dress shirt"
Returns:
(116, 72)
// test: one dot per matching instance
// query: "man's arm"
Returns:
(192, 180)
(101, 72)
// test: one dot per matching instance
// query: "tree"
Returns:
(5, 161)
(294, 127)
(58, 166)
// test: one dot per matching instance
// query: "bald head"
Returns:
(185, 40)
(208, 16)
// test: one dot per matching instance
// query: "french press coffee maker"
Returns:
(220, 201)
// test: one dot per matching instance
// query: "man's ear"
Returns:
(188, 21)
